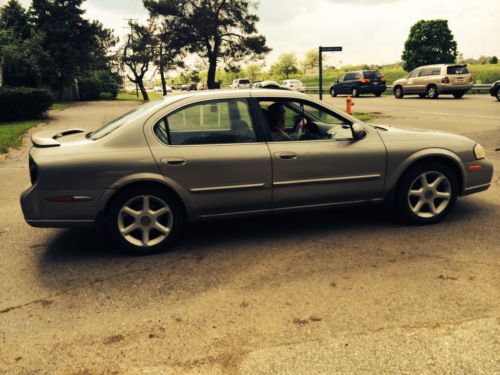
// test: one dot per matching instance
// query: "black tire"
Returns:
(422, 96)
(497, 94)
(155, 194)
(333, 93)
(355, 93)
(378, 94)
(432, 92)
(404, 202)
(459, 95)
(398, 92)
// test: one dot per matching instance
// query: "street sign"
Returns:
(321, 50)
(331, 49)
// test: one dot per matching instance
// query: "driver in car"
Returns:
(276, 120)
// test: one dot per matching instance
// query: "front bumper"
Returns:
(477, 180)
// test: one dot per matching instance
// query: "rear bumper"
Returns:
(40, 212)
(493, 90)
(372, 89)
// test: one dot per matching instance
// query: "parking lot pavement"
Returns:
(346, 291)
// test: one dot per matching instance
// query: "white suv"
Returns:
(241, 83)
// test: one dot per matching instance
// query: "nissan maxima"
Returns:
(226, 154)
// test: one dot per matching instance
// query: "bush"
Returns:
(106, 96)
(98, 83)
(21, 103)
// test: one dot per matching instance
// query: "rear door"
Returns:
(412, 82)
(213, 153)
(458, 75)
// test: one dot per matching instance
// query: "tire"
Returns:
(378, 94)
(497, 94)
(426, 203)
(422, 96)
(141, 210)
(355, 93)
(398, 92)
(432, 92)
(333, 93)
(459, 95)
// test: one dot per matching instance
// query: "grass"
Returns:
(364, 116)
(60, 106)
(132, 96)
(11, 133)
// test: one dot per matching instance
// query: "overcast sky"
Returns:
(370, 31)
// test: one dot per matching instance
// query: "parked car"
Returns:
(266, 85)
(495, 90)
(193, 86)
(184, 87)
(241, 83)
(359, 82)
(433, 80)
(140, 178)
(293, 84)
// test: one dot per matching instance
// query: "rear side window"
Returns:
(214, 122)
(372, 74)
(457, 70)
(426, 72)
(244, 82)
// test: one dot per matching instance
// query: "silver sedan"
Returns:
(225, 154)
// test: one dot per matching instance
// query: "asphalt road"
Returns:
(349, 291)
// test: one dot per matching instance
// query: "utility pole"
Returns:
(1, 71)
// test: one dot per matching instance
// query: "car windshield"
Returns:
(459, 69)
(372, 74)
(120, 121)
(244, 82)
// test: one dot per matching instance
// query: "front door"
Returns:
(211, 151)
(321, 163)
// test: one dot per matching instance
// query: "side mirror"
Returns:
(358, 131)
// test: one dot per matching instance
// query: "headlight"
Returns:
(479, 152)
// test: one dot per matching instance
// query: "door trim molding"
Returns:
(327, 180)
(227, 188)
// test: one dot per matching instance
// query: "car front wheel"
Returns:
(333, 93)
(498, 94)
(145, 220)
(398, 92)
(426, 193)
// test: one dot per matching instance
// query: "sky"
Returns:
(370, 31)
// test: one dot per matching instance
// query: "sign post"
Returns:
(321, 50)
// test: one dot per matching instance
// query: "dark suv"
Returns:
(360, 82)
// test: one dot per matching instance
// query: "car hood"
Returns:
(418, 139)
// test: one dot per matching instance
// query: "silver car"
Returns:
(228, 154)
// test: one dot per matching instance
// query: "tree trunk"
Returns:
(212, 69)
(162, 73)
(144, 93)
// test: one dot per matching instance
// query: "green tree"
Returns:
(218, 30)
(68, 39)
(311, 60)
(494, 60)
(139, 54)
(252, 71)
(429, 42)
(285, 66)
(14, 19)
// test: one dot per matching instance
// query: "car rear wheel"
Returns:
(333, 93)
(378, 94)
(355, 93)
(144, 221)
(398, 92)
(432, 92)
(459, 95)
(426, 193)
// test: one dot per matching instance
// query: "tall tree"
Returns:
(285, 66)
(429, 42)
(311, 60)
(14, 19)
(69, 38)
(139, 54)
(218, 30)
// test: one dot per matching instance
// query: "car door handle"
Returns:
(286, 155)
(176, 161)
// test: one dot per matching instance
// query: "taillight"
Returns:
(445, 80)
(364, 80)
(33, 171)
(383, 79)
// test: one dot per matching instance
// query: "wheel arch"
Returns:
(141, 179)
(442, 156)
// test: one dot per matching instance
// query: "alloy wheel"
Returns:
(145, 221)
(429, 194)
(431, 92)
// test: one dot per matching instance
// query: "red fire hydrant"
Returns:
(349, 104)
